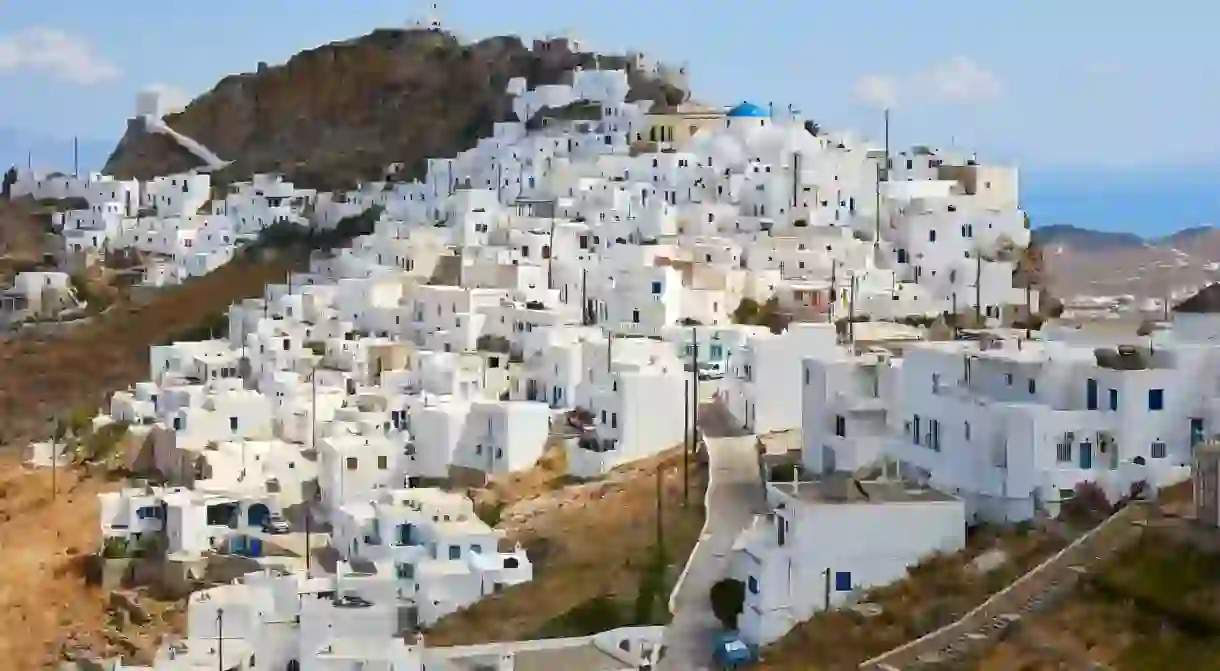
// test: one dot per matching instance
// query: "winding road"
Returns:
(735, 495)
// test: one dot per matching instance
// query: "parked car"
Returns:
(276, 524)
(711, 370)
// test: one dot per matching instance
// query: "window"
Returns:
(656, 287)
(476, 548)
(932, 236)
(843, 581)
(967, 430)
(915, 426)
(405, 571)
(1114, 399)
(178, 423)
(1063, 452)
(635, 316)
(614, 420)
(840, 426)
(510, 562)
(383, 462)
(752, 584)
(455, 552)
(1158, 450)
(1091, 395)
(934, 434)
(232, 423)
(352, 462)
(1033, 387)
(935, 378)
(1156, 399)
(1008, 379)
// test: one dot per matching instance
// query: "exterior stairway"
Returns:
(1033, 591)
(205, 155)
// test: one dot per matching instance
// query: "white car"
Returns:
(711, 370)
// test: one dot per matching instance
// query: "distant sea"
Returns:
(1147, 202)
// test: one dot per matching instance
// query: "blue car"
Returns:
(731, 652)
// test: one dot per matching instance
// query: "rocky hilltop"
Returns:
(342, 112)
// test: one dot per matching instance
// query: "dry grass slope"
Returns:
(936, 592)
(587, 541)
(1154, 607)
(43, 598)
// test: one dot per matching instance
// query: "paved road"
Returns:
(736, 496)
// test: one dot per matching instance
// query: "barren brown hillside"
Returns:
(346, 110)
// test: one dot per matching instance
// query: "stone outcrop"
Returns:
(340, 113)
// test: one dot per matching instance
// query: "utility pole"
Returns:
(691, 411)
(1029, 311)
(609, 349)
(55, 460)
(75, 156)
(826, 587)
(587, 317)
(834, 293)
(978, 286)
(877, 208)
(686, 433)
(851, 312)
(220, 639)
(550, 256)
(313, 440)
(660, 520)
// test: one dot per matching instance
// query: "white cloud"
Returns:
(958, 80)
(877, 90)
(55, 53)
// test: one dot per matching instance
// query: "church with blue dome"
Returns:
(748, 110)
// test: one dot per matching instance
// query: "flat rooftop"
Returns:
(585, 657)
(845, 489)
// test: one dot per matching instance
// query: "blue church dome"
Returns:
(748, 110)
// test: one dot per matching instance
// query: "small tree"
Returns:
(10, 178)
(649, 597)
(746, 312)
(728, 598)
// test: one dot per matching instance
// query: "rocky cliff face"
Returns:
(340, 113)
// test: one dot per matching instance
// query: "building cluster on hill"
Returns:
(597, 256)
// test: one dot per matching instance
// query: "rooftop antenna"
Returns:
(887, 140)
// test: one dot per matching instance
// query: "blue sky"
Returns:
(1081, 94)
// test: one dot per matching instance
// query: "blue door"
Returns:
(1086, 455)
(1091, 395)
(255, 548)
(1196, 431)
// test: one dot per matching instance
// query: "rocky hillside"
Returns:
(341, 112)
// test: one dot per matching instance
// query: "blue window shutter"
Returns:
(843, 581)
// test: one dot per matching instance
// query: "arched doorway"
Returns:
(258, 514)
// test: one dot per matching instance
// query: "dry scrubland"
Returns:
(1153, 607)
(936, 592)
(44, 604)
(591, 545)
